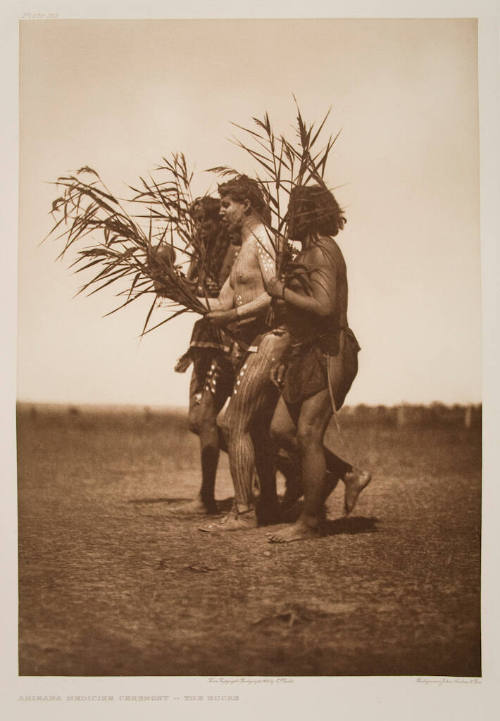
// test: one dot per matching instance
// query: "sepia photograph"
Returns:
(249, 393)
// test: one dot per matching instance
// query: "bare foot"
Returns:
(297, 532)
(193, 508)
(234, 521)
(355, 481)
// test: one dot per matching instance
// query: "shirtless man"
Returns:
(212, 376)
(323, 358)
(243, 305)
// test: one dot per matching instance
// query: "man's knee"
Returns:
(193, 419)
(194, 426)
(307, 436)
(239, 415)
(202, 414)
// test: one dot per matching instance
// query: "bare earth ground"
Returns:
(110, 584)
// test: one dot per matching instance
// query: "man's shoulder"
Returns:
(329, 246)
(326, 252)
(262, 239)
(261, 232)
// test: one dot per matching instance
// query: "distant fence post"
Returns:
(401, 416)
(468, 416)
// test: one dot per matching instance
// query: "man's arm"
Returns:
(321, 296)
(254, 307)
(224, 301)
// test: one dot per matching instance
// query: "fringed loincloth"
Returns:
(310, 369)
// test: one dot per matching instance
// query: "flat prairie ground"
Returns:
(112, 584)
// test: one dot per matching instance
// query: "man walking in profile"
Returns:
(212, 376)
(242, 306)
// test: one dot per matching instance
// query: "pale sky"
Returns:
(118, 95)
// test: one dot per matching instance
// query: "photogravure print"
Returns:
(282, 478)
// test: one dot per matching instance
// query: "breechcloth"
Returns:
(210, 350)
(218, 357)
(310, 368)
(206, 336)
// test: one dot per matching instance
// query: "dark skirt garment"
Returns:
(206, 336)
(309, 368)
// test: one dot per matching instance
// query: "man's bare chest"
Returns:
(245, 268)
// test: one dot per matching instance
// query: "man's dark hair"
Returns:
(208, 256)
(207, 205)
(242, 188)
(319, 210)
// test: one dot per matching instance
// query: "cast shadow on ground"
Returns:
(351, 526)
(330, 527)
(146, 501)
(222, 506)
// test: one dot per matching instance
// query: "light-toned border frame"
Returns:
(341, 698)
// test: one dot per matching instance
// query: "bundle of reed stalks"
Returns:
(283, 164)
(137, 250)
(141, 243)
